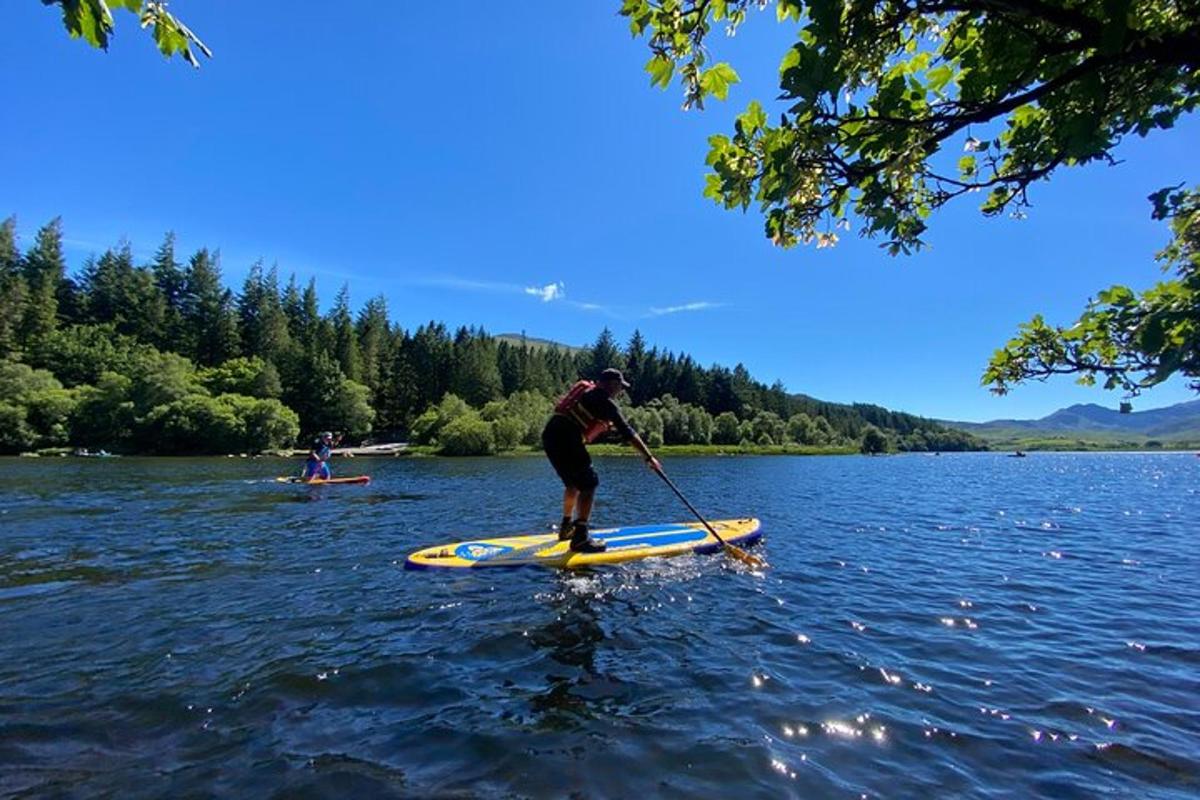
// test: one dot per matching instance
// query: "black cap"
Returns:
(611, 374)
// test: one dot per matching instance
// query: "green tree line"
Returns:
(163, 357)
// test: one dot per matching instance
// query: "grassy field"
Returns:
(1024, 440)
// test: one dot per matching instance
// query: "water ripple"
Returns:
(963, 626)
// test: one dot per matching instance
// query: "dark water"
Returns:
(973, 626)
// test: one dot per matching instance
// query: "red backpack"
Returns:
(569, 406)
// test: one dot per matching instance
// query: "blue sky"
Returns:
(514, 169)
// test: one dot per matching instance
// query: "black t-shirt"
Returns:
(598, 403)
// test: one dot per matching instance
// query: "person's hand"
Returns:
(654, 464)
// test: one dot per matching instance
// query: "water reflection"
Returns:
(570, 639)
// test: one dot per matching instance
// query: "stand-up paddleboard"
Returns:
(624, 544)
(327, 481)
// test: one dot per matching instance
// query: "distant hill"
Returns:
(535, 342)
(1174, 425)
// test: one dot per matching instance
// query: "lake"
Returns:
(964, 625)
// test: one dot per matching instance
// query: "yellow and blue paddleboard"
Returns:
(624, 544)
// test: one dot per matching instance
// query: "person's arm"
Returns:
(641, 447)
(630, 435)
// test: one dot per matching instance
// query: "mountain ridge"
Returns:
(1178, 422)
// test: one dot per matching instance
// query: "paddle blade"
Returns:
(746, 558)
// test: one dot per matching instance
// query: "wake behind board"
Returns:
(624, 544)
(327, 481)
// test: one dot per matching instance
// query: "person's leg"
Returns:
(581, 540)
(570, 493)
(326, 474)
(583, 506)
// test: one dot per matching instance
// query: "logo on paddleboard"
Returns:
(476, 551)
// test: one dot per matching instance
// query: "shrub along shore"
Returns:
(162, 358)
(523, 451)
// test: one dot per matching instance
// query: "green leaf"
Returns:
(89, 20)
(1116, 295)
(717, 79)
(939, 76)
(1152, 337)
(661, 69)
(752, 120)
(712, 187)
(789, 9)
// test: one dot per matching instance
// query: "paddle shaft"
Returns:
(736, 552)
(691, 507)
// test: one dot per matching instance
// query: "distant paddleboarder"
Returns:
(317, 466)
(582, 415)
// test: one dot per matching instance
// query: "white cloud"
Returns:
(556, 290)
(466, 284)
(702, 305)
(551, 291)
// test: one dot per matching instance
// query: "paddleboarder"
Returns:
(585, 413)
(317, 466)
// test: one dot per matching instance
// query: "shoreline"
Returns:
(606, 450)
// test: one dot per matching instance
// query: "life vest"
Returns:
(570, 407)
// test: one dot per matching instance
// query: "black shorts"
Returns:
(564, 446)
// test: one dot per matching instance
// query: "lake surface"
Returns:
(964, 625)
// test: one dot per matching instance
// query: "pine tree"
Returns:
(345, 341)
(602, 355)
(668, 374)
(210, 321)
(536, 375)
(13, 289)
(720, 396)
(431, 355)
(744, 392)
(308, 320)
(293, 309)
(688, 388)
(316, 391)
(400, 395)
(476, 372)
(371, 330)
(44, 268)
(70, 302)
(277, 338)
(508, 361)
(635, 367)
(102, 284)
(171, 283)
(264, 325)
(250, 308)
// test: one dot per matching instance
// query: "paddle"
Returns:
(736, 552)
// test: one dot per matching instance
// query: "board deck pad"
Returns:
(624, 544)
(327, 481)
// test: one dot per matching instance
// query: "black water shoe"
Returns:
(564, 529)
(581, 542)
